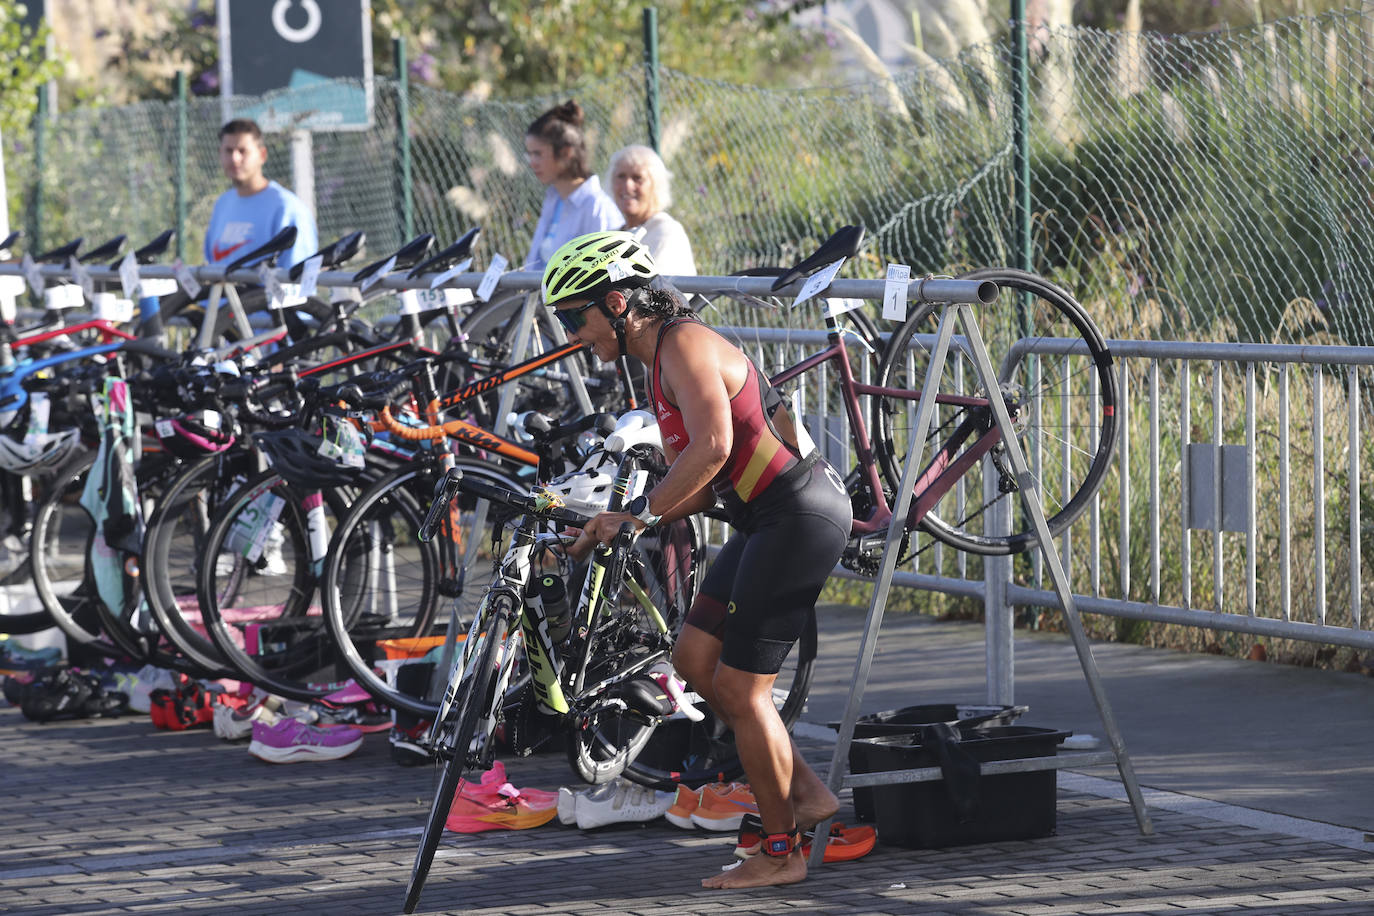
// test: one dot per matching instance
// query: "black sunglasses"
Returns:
(573, 320)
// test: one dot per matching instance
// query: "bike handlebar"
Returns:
(453, 481)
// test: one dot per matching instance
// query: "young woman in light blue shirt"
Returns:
(574, 203)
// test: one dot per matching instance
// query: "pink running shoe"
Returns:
(290, 741)
(494, 804)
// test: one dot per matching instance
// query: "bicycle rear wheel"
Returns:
(473, 704)
(664, 572)
(1055, 372)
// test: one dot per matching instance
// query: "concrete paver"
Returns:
(111, 816)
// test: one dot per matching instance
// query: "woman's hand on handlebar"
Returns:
(600, 532)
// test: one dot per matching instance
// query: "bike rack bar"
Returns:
(927, 289)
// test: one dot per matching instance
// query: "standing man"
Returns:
(254, 209)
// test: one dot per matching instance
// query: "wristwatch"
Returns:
(639, 508)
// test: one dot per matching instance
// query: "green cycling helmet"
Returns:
(593, 264)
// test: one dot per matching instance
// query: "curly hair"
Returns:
(659, 301)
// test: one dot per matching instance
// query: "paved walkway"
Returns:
(115, 817)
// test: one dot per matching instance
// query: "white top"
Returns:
(586, 209)
(668, 244)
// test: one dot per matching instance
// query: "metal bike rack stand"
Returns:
(837, 777)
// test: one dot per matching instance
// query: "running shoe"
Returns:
(628, 803)
(568, 800)
(15, 658)
(495, 804)
(290, 741)
(723, 810)
(471, 815)
(679, 813)
(236, 724)
(845, 844)
(410, 743)
(17, 686)
(141, 684)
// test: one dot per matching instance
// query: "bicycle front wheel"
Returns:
(256, 585)
(473, 703)
(1054, 371)
(382, 583)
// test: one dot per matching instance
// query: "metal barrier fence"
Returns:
(1241, 508)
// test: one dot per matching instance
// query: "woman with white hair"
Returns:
(639, 187)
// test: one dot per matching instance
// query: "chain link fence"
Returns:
(1205, 186)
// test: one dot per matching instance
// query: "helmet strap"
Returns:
(617, 323)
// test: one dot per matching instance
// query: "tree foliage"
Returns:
(23, 67)
(513, 47)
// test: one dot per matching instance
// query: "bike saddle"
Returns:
(406, 256)
(60, 255)
(154, 249)
(333, 254)
(451, 255)
(110, 249)
(843, 244)
(267, 251)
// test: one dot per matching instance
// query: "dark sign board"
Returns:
(297, 64)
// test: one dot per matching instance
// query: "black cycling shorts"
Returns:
(765, 581)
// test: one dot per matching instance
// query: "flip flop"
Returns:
(846, 844)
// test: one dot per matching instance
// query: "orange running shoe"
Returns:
(724, 809)
(684, 803)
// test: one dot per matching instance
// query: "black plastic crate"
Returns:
(909, 720)
(920, 815)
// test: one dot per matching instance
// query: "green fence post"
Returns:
(1020, 109)
(40, 143)
(181, 164)
(651, 73)
(403, 137)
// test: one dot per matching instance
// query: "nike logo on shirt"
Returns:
(219, 254)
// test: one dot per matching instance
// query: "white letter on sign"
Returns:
(306, 32)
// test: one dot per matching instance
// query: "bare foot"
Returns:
(811, 809)
(761, 871)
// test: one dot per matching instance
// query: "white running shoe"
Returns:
(143, 682)
(568, 800)
(567, 806)
(236, 724)
(629, 803)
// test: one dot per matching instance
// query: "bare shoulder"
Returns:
(694, 342)
(694, 350)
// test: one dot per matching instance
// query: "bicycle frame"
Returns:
(943, 470)
(503, 609)
(469, 433)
